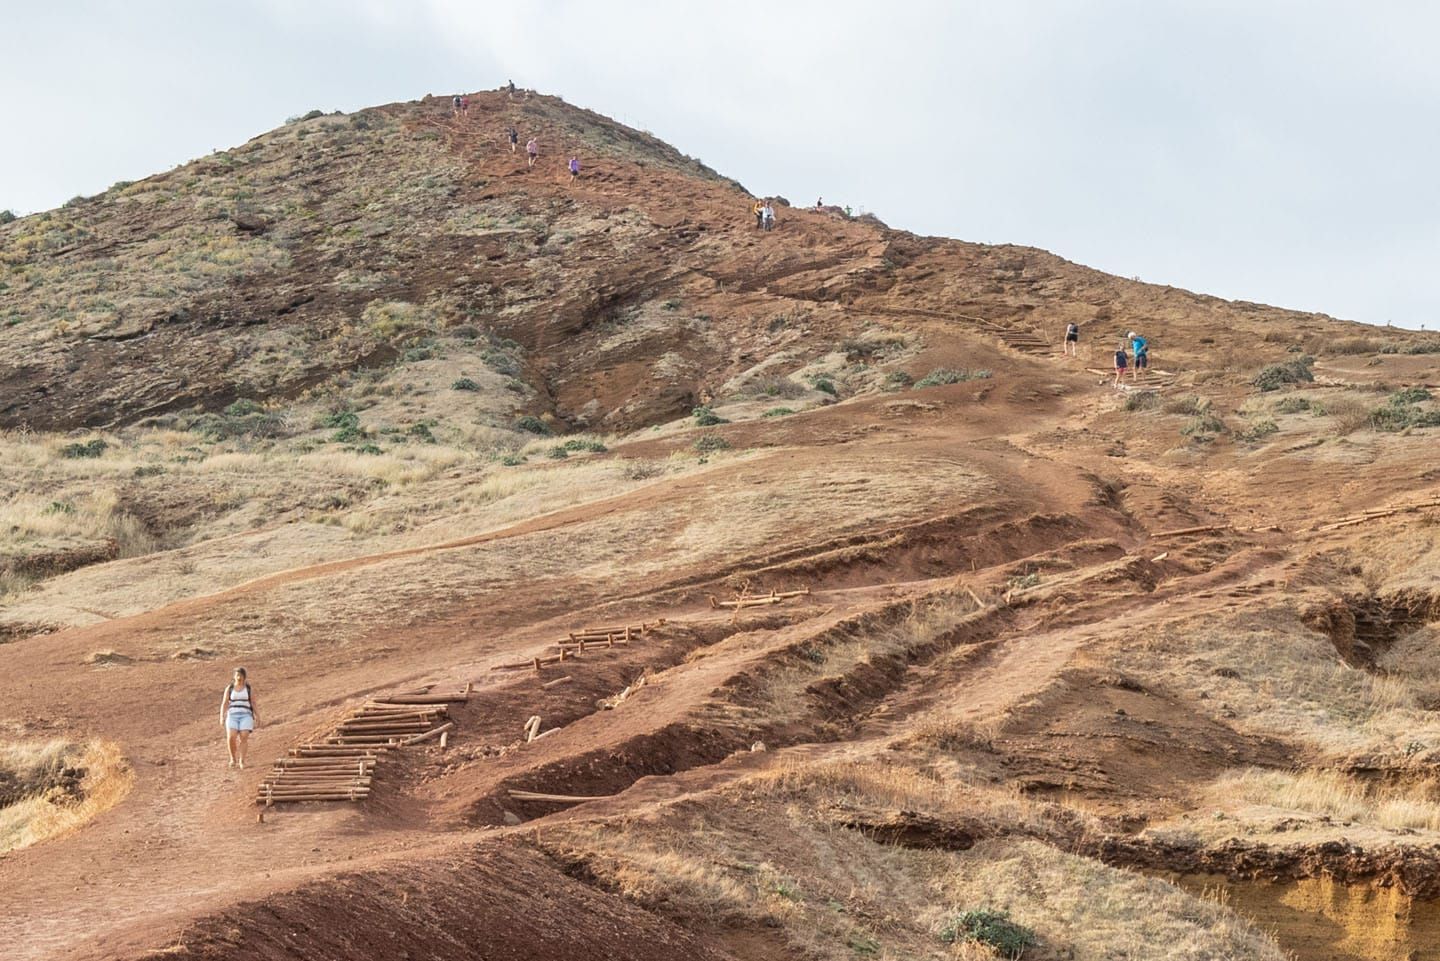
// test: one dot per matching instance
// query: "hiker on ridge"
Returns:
(759, 211)
(1122, 360)
(1072, 339)
(237, 714)
(513, 136)
(532, 150)
(1141, 347)
(574, 169)
(455, 105)
(768, 216)
(465, 105)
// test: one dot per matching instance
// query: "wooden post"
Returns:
(444, 736)
(537, 665)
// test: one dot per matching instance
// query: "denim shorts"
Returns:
(239, 719)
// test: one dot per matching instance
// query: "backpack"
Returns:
(249, 704)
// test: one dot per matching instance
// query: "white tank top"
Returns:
(239, 700)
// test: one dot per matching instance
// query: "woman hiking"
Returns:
(237, 713)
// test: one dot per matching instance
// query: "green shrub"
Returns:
(502, 362)
(558, 452)
(671, 305)
(711, 442)
(349, 435)
(421, 432)
(1398, 417)
(60, 507)
(242, 408)
(464, 383)
(1292, 405)
(414, 354)
(1260, 429)
(778, 412)
(576, 444)
(1142, 400)
(7, 217)
(255, 423)
(87, 449)
(1301, 370)
(531, 424)
(705, 417)
(148, 470)
(1410, 395)
(941, 376)
(1186, 405)
(1203, 427)
(340, 419)
(825, 385)
(512, 460)
(992, 928)
(368, 449)
(898, 379)
(1419, 347)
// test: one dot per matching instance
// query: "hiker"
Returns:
(510, 88)
(1122, 360)
(574, 169)
(513, 136)
(237, 714)
(1072, 339)
(532, 150)
(465, 105)
(759, 211)
(455, 104)
(767, 216)
(1141, 347)
(819, 203)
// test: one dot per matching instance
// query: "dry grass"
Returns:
(1277, 677)
(764, 855)
(1331, 794)
(33, 775)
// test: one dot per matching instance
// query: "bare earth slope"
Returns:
(369, 405)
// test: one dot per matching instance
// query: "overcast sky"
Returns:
(1265, 150)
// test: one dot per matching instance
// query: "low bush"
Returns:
(576, 444)
(1186, 405)
(898, 379)
(1418, 347)
(1292, 405)
(705, 417)
(1301, 370)
(711, 442)
(778, 412)
(421, 432)
(941, 376)
(464, 383)
(512, 460)
(991, 928)
(531, 424)
(1410, 395)
(825, 385)
(1258, 430)
(1203, 427)
(7, 217)
(84, 449)
(558, 452)
(1142, 400)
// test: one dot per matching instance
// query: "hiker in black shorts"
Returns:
(1122, 361)
(1072, 339)
(514, 136)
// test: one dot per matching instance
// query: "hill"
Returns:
(375, 408)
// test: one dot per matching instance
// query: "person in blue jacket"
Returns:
(1141, 348)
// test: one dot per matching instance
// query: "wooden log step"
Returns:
(561, 798)
(268, 799)
(384, 706)
(319, 789)
(433, 732)
(558, 681)
(383, 728)
(338, 750)
(323, 764)
(424, 698)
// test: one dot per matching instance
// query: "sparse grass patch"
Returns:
(1331, 794)
(941, 376)
(1258, 431)
(1192, 406)
(778, 412)
(1203, 428)
(1350, 413)
(1292, 405)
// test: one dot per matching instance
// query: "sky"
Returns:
(1267, 150)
